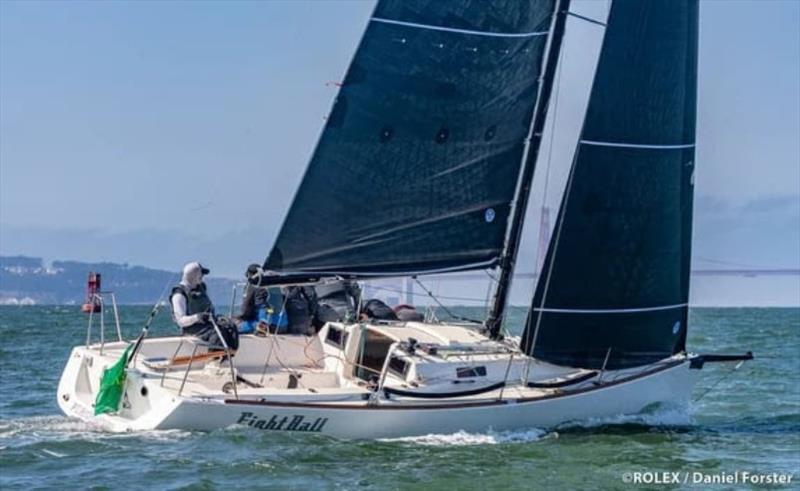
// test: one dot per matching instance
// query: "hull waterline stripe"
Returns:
(612, 311)
(633, 145)
(461, 31)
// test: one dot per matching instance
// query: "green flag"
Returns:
(111, 384)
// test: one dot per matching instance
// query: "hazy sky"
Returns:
(157, 132)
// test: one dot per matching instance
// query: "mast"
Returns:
(509, 258)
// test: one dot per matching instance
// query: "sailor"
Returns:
(193, 310)
(301, 307)
(259, 310)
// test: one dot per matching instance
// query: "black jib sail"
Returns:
(614, 287)
(418, 162)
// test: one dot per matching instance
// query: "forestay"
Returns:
(417, 165)
(615, 281)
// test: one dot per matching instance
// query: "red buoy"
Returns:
(92, 303)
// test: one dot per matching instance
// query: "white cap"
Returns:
(193, 273)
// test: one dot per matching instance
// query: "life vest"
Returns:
(300, 309)
(197, 300)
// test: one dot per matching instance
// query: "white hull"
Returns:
(669, 386)
(343, 411)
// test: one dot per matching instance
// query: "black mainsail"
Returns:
(615, 282)
(418, 163)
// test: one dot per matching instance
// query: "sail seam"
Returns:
(460, 31)
(612, 311)
(634, 145)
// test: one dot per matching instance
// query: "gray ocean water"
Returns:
(748, 422)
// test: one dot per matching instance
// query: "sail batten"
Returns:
(612, 311)
(637, 145)
(461, 31)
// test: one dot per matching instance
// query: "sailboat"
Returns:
(425, 166)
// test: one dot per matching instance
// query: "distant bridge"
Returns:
(746, 272)
(695, 272)
(407, 290)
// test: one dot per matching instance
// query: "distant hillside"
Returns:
(27, 280)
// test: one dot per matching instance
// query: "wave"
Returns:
(664, 416)
(463, 438)
(763, 424)
(673, 417)
(36, 429)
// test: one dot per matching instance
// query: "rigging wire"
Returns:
(722, 378)
(587, 19)
(561, 62)
(446, 297)
(150, 317)
(491, 276)
(556, 240)
(442, 306)
(553, 127)
(558, 229)
(489, 289)
(727, 263)
(521, 198)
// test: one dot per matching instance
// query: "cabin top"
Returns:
(445, 334)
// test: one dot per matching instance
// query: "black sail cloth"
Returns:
(615, 282)
(418, 162)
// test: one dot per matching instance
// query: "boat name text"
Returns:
(285, 423)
